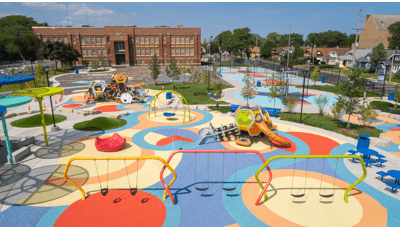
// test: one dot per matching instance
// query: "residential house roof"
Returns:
(384, 21)
(255, 49)
(363, 59)
(391, 52)
(325, 51)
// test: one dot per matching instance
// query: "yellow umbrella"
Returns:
(39, 93)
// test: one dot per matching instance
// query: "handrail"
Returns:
(264, 189)
(122, 158)
(212, 151)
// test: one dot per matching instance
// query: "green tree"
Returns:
(13, 70)
(266, 49)
(64, 53)
(273, 36)
(321, 101)
(173, 71)
(334, 38)
(195, 79)
(315, 75)
(294, 39)
(351, 39)
(45, 49)
(337, 109)
(242, 41)
(40, 69)
(352, 89)
(102, 60)
(298, 51)
(276, 87)
(394, 38)
(367, 113)
(154, 68)
(289, 102)
(218, 92)
(95, 64)
(249, 86)
(17, 37)
(85, 62)
(396, 93)
(27, 69)
(378, 55)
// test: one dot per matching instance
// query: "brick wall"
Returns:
(370, 36)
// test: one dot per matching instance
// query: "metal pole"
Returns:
(288, 52)
(302, 96)
(51, 101)
(34, 81)
(383, 88)
(220, 54)
(209, 69)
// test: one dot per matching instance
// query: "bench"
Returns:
(23, 142)
(234, 107)
(380, 161)
(353, 152)
(380, 155)
(212, 96)
(20, 154)
(382, 173)
(272, 111)
(393, 185)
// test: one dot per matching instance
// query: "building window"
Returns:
(177, 53)
(131, 38)
(137, 51)
(146, 40)
(108, 39)
(157, 53)
(172, 40)
(177, 62)
(142, 62)
(49, 39)
(187, 40)
(191, 52)
(164, 39)
(141, 52)
(136, 39)
(137, 62)
(109, 52)
(93, 41)
(59, 39)
(99, 52)
(191, 61)
(397, 58)
(191, 40)
(182, 52)
(147, 51)
(83, 53)
(349, 62)
(97, 40)
(65, 40)
(156, 40)
(94, 53)
(103, 40)
(182, 40)
(104, 52)
(44, 39)
(132, 51)
(172, 52)
(165, 51)
(90, 63)
(82, 40)
(119, 46)
(141, 40)
(87, 40)
(89, 53)
(73, 40)
(165, 61)
(151, 40)
(151, 51)
(187, 52)
(177, 39)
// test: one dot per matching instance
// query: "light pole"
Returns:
(54, 128)
(34, 81)
(209, 68)
(302, 96)
(220, 54)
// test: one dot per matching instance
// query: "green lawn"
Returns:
(36, 121)
(328, 123)
(100, 123)
(338, 90)
(223, 109)
(97, 70)
(187, 89)
(385, 105)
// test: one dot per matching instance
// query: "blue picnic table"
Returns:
(393, 173)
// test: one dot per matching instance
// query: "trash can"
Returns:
(363, 141)
(258, 83)
(323, 80)
(169, 95)
(278, 70)
(391, 96)
(76, 71)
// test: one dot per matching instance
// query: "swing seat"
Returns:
(110, 144)
(169, 114)
(243, 141)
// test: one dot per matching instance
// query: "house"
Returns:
(375, 30)
(329, 55)
(348, 58)
(276, 51)
(395, 55)
(255, 51)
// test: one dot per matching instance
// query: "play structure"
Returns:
(253, 122)
(110, 144)
(133, 191)
(117, 89)
(182, 101)
(264, 188)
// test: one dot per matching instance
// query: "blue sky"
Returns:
(212, 18)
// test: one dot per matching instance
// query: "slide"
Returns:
(264, 128)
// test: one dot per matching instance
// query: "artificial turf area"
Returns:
(36, 121)
(222, 109)
(328, 123)
(100, 123)
(187, 90)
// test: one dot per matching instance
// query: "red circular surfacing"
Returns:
(108, 108)
(117, 209)
(72, 105)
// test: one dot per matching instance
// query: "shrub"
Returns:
(95, 64)
(39, 69)
(13, 70)
(27, 69)
(53, 67)
(323, 62)
(289, 103)
(337, 110)
(367, 113)
(321, 101)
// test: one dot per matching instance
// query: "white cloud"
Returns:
(4, 14)
(45, 5)
(83, 9)
(133, 14)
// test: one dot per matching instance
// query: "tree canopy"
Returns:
(378, 55)
(394, 38)
(242, 41)
(330, 39)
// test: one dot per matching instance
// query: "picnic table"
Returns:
(393, 173)
(367, 153)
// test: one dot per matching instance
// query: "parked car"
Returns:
(284, 63)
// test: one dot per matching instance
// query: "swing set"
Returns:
(264, 188)
(133, 191)
(208, 167)
(182, 101)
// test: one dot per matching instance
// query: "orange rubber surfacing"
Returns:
(117, 209)
(108, 108)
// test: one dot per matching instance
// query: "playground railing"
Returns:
(166, 165)
(264, 189)
(211, 151)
